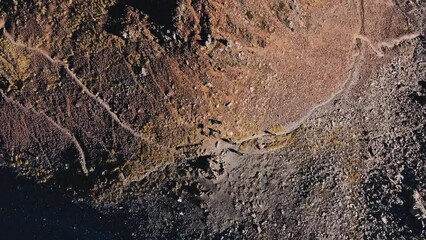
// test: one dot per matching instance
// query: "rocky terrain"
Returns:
(197, 119)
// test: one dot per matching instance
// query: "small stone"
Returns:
(143, 72)
(384, 220)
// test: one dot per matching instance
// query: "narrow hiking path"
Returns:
(353, 75)
(65, 131)
(86, 90)
(378, 47)
(226, 145)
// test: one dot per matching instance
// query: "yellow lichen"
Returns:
(14, 64)
(277, 128)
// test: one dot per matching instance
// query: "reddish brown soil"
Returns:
(123, 84)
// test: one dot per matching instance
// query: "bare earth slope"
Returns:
(298, 119)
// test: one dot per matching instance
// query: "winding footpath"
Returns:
(101, 102)
(353, 75)
(65, 131)
(378, 48)
(225, 146)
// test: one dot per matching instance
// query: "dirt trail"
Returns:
(353, 74)
(378, 48)
(289, 128)
(100, 101)
(65, 131)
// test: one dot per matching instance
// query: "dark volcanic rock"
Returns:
(301, 119)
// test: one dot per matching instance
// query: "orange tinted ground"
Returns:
(288, 66)
(268, 64)
(294, 55)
